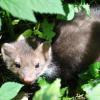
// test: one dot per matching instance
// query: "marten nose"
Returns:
(28, 80)
(27, 75)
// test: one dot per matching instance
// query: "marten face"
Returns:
(25, 61)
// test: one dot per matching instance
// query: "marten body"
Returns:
(77, 45)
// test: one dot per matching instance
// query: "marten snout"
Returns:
(27, 75)
(28, 80)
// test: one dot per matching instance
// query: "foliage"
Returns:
(9, 90)
(46, 33)
(91, 83)
(70, 10)
(95, 69)
(46, 91)
(50, 91)
(24, 8)
(92, 92)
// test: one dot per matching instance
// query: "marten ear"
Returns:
(7, 49)
(45, 49)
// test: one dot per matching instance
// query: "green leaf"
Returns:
(87, 87)
(48, 6)
(16, 21)
(9, 90)
(48, 30)
(86, 7)
(24, 8)
(40, 34)
(67, 98)
(0, 24)
(19, 8)
(26, 34)
(42, 82)
(69, 10)
(92, 93)
(49, 91)
(95, 69)
(63, 90)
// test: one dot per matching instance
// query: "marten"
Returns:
(76, 45)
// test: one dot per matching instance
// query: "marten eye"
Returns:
(37, 65)
(17, 65)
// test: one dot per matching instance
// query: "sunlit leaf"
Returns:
(9, 90)
(95, 69)
(19, 8)
(86, 7)
(49, 91)
(69, 10)
(26, 34)
(48, 6)
(92, 92)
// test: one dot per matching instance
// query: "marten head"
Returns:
(27, 59)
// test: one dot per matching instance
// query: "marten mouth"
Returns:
(28, 82)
